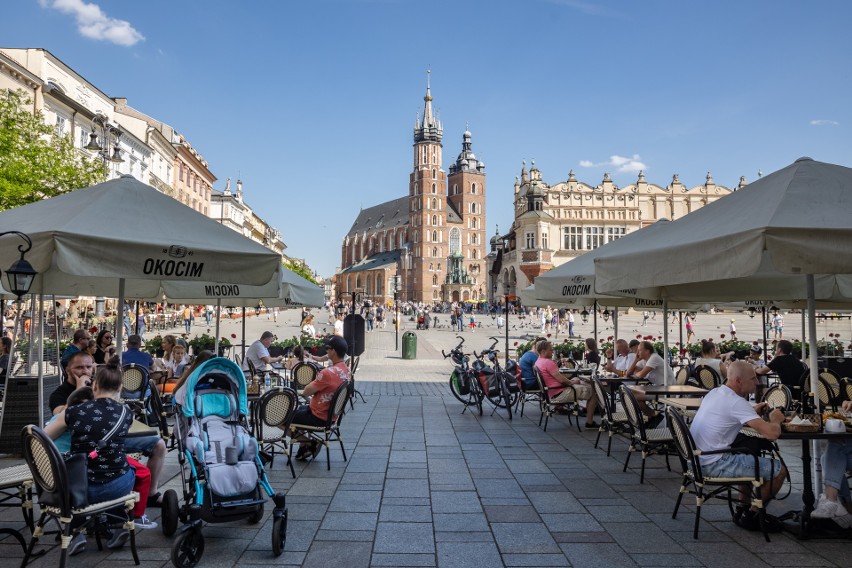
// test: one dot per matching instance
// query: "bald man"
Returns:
(723, 412)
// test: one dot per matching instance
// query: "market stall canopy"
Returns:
(84, 241)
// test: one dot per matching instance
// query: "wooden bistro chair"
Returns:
(527, 394)
(54, 497)
(682, 375)
(845, 389)
(16, 484)
(134, 383)
(649, 441)
(612, 422)
(273, 414)
(703, 487)
(778, 396)
(330, 431)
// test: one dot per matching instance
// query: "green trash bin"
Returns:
(409, 345)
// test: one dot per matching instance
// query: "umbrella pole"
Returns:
(812, 345)
(615, 324)
(806, 334)
(667, 356)
(119, 319)
(594, 309)
(244, 331)
(136, 327)
(40, 355)
(680, 327)
(218, 321)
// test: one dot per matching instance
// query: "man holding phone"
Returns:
(79, 371)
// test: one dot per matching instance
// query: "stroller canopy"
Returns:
(216, 365)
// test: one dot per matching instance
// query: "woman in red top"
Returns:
(321, 390)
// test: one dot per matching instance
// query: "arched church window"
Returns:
(434, 280)
(434, 219)
(435, 254)
(434, 203)
(434, 173)
(455, 241)
(473, 188)
(434, 236)
(434, 188)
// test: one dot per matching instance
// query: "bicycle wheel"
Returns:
(454, 388)
(507, 396)
(476, 395)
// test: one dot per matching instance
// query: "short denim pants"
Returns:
(741, 465)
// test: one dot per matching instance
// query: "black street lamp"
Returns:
(109, 134)
(751, 312)
(585, 315)
(605, 314)
(20, 274)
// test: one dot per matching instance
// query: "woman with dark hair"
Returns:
(110, 475)
(105, 349)
(711, 357)
(592, 356)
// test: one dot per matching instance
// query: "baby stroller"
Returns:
(221, 470)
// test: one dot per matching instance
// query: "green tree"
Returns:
(35, 161)
(301, 270)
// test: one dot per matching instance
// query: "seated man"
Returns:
(836, 461)
(321, 390)
(78, 343)
(526, 363)
(555, 382)
(134, 353)
(623, 359)
(789, 369)
(724, 411)
(258, 354)
(78, 373)
(657, 371)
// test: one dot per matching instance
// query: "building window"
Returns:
(474, 254)
(434, 220)
(430, 267)
(60, 125)
(530, 240)
(474, 223)
(434, 294)
(434, 280)
(434, 204)
(415, 189)
(434, 236)
(455, 188)
(544, 240)
(615, 233)
(434, 188)
(474, 239)
(594, 237)
(434, 173)
(435, 255)
(573, 238)
(439, 267)
(473, 188)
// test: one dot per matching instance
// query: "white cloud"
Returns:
(824, 122)
(618, 164)
(94, 24)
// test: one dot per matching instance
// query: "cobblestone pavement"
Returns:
(428, 485)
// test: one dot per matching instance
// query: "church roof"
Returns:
(390, 214)
(374, 261)
(452, 215)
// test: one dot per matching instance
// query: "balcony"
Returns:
(160, 185)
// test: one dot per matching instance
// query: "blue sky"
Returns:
(312, 103)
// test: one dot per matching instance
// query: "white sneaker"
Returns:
(144, 522)
(828, 509)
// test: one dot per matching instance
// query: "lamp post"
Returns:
(506, 289)
(397, 283)
(110, 135)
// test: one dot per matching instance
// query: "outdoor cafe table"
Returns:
(139, 429)
(670, 390)
(682, 404)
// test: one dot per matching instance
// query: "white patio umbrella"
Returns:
(787, 236)
(124, 238)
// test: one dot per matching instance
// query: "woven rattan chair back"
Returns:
(831, 378)
(683, 443)
(633, 411)
(845, 389)
(276, 410)
(778, 396)
(827, 394)
(303, 374)
(604, 402)
(134, 382)
(47, 467)
(707, 377)
(682, 375)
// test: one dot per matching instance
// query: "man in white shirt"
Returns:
(338, 326)
(258, 353)
(623, 358)
(723, 412)
(657, 371)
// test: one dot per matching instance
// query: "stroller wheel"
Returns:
(188, 549)
(170, 513)
(279, 534)
(256, 516)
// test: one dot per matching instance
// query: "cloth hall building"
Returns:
(433, 238)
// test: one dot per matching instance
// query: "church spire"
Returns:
(429, 128)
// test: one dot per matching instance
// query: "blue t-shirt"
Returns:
(137, 356)
(526, 363)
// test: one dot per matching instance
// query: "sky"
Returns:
(312, 103)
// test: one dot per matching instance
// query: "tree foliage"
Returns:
(301, 270)
(35, 161)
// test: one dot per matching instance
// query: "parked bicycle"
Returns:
(500, 386)
(463, 380)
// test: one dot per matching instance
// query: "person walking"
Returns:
(187, 318)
